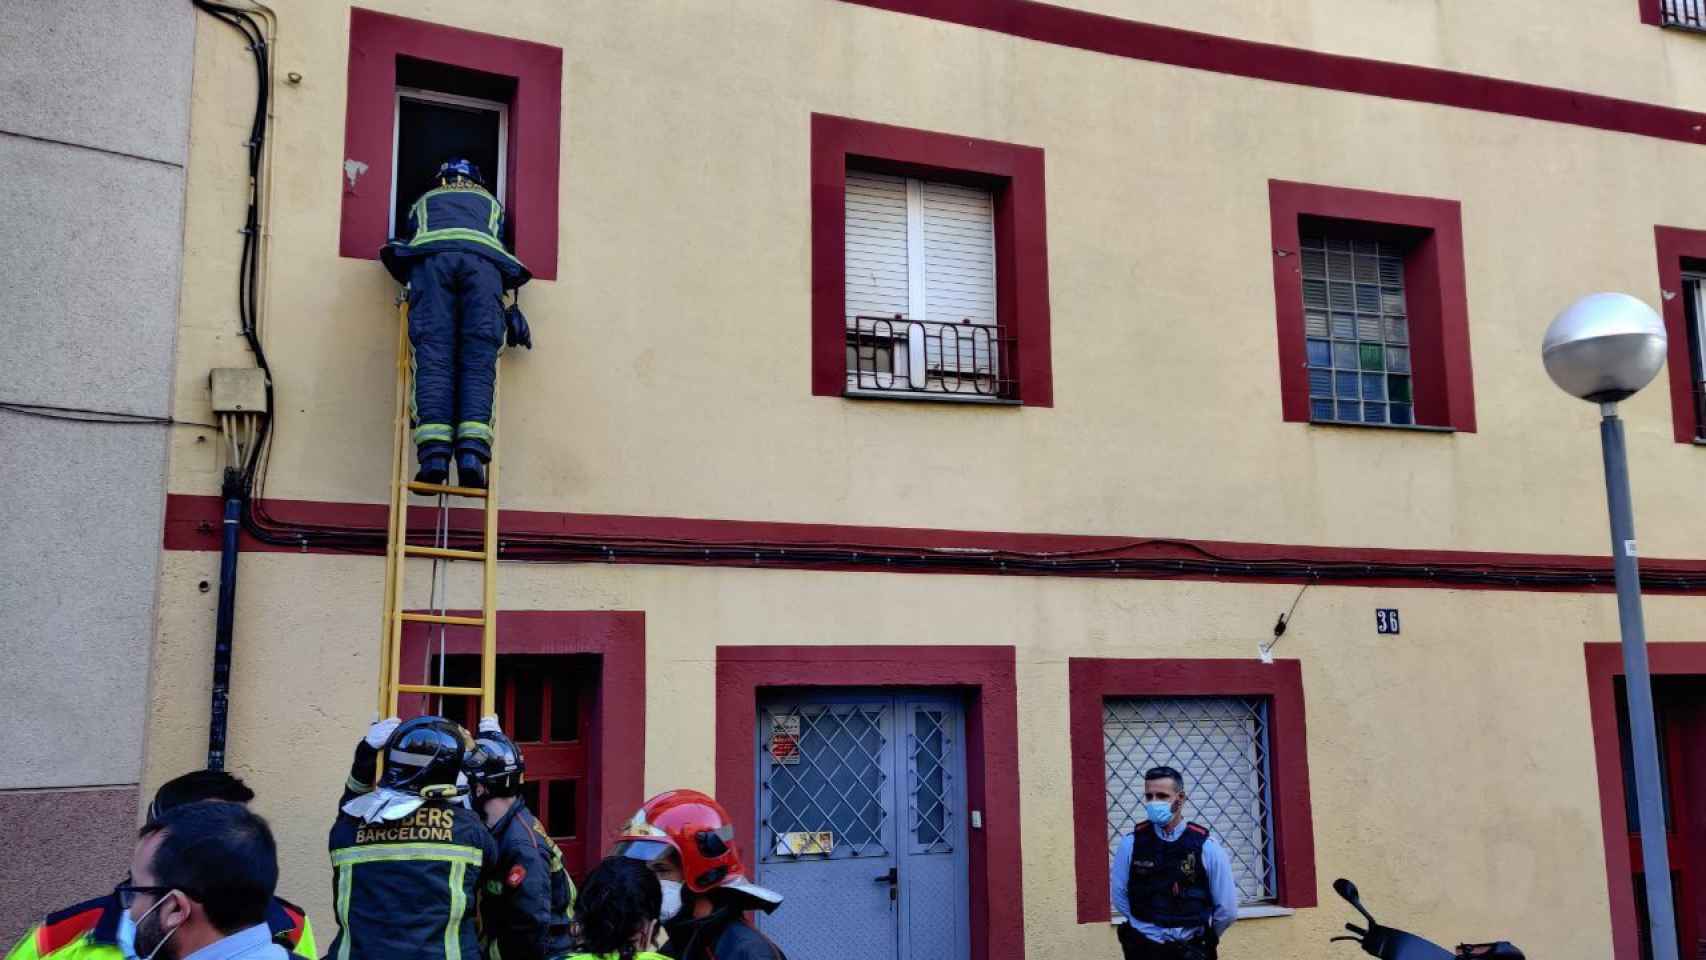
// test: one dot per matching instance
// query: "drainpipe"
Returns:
(232, 491)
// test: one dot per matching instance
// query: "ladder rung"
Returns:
(443, 553)
(447, 691)
(415, 486)
(444, 618)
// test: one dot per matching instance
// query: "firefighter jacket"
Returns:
(459, 217)
(89, 931)
(525, 913)
(409, 888)
(724, 935)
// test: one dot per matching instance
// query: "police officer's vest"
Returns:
(1168, 886)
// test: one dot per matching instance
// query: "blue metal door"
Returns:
(862, 825)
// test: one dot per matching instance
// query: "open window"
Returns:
(421, 92)
(432, 127)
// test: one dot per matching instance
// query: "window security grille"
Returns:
(1220, 745)
(1688, 14)
(1694, 307)
(1357, 330)
(920, 289)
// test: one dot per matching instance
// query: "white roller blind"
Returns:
(959, 275)
(876, 247)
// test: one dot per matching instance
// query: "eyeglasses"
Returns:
(127, 892)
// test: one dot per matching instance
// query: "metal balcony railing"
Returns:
(1686, 14)
(895, 356)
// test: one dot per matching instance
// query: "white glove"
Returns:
(381, 731)
(489, 724)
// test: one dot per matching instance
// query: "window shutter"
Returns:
(876, 251)
(959, 276)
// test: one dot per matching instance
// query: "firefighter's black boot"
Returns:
(470, 470)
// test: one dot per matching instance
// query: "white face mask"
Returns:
(671, 900)
(127, 933)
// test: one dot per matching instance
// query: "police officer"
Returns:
(687, 839)
(457, 270)
(91, 930)
(1171, 881)
(525, 914)
(408, 861)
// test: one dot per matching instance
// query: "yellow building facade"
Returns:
(960, 584)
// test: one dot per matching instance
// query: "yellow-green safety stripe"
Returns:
(460, 233)
(346, 934)
(458, 903)
(453, 852)
(474, 430)
(428, 432)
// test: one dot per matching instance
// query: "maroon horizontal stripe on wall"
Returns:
(193, 523)
(1136, 40)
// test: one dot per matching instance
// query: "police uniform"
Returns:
(526, 912)
(1168, 886)
(409, 888)
(457, 270)
(89, 931)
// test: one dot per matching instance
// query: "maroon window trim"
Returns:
(1047, 22)
(1091, 681)
(616, 763)
(1651, 14)
(985, 673)
(1021, 236)
(1434, 288)
(535, 125)
(1674, 245)
(1604, 666)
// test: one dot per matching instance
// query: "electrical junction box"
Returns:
(239, 390)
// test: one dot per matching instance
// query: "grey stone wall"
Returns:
(94, 128)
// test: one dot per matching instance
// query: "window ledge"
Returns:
(857, 394)
(1410, 427)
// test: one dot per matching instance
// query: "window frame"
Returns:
(1013, 172)
(1435, 291)
(420, 94)
(377, 41)
(1269, 854)
(1673, 246)
(1092, 681)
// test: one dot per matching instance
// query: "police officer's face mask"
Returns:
(135, 935)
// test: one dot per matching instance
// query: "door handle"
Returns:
(892, 878)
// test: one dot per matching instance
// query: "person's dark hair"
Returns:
(196, 786)
(620, 897)
(220, 855)
(1166, 773)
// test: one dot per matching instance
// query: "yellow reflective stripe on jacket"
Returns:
(453, 852)
(642, 955)
(459, 233)
(458, 904)
(344, 874)
(492, 222)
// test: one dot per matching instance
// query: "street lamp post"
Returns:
(1602, 349)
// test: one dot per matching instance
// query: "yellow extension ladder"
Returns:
(398, 550)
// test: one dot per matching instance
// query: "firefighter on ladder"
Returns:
(457, 270)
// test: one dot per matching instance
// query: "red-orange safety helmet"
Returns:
(697, 829)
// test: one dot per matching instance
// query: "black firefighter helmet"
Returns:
(495, 764)
(424, 752)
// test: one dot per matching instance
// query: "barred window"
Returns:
(920, 289)
(1220, 746)
(1688, 14)
(1357, 330)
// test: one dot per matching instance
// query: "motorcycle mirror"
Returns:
(1348, 890)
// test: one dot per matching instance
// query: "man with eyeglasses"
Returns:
(89, 930)
(201, 880)
(1172, 882)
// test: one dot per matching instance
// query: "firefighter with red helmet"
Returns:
(688, 840)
